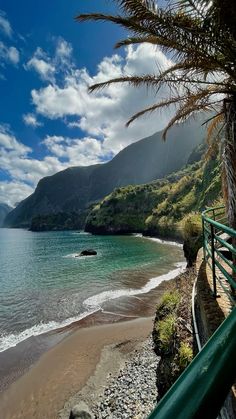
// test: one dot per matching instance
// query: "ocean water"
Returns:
(43, 286)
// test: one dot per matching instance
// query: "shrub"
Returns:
(192, 233)
(192, 226)
(185, 355)
(169, 303)
(166, 330)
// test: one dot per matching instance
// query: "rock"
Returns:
(81, 411)
(87, 252)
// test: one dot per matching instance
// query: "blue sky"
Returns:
(48, 121)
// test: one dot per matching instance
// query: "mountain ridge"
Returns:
(76, 188)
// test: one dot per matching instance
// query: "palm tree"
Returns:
(200, 38)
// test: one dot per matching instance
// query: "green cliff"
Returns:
(160, 208)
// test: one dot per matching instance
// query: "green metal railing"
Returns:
(219, 244)
(202, 388)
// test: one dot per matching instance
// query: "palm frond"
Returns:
(142, 8)
(167, 77)
(215, 126)
(173, 32)
(195, 103)
(191, 102)
(160, 105)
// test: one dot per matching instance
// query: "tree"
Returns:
(200, 37)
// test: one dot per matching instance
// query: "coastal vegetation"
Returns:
(58, 222)
(172, 331)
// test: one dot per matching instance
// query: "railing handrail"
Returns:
(220, 226)
(214, 246)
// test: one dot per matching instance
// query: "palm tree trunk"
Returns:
(229, 160)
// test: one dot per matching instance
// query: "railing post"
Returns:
(213, 261)
(203, 236)
(214, 216)
(233, 292)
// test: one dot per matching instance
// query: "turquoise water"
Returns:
(44, 286)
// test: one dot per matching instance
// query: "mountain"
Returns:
(74, 189)
(4, 210)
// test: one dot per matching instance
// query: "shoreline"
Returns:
(18, 360)
(94, 303)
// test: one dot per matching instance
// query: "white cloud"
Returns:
(73, 124)
(81, 152)
(31, 120)
(40, 62)
(44, 69)
(9, 143)
(22, 169)
(46, 66)
(9, 54)
(105, 113)
(12, 192)
(5, 25)
(63, 50)
(14, 55)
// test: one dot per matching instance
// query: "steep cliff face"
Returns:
(125, 210)
(75, 188)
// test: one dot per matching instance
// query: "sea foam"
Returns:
(11, 340)
(155, 239)
(96, 301)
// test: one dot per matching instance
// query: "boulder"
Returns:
(88, 252)
(81, 411)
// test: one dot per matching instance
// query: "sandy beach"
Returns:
(41, 376)
(16, 361)
(65, 369)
